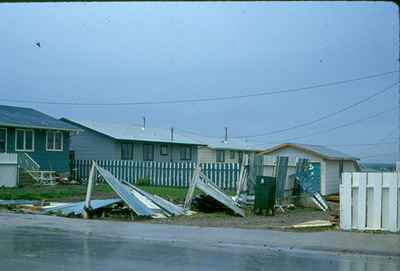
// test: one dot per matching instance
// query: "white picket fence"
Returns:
(175, 174)
(370, 201)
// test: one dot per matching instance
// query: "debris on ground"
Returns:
(207, 204)
(15, 202)
(77, 208)
(313, 224)
(305, 177)
(142, 203)
(332, 198)
(203, 183)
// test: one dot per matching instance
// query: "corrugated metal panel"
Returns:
(212, 190)
(78, 207)
(131, 200)
(162, 203)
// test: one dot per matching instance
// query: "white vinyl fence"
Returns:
(370, 201)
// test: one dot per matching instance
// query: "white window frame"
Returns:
(5, 128)
(33, 140)
(54, 140)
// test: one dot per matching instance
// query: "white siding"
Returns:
(206, 155)
(333, 177)
(333, 174)
(293, 152)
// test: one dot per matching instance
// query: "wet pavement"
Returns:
(39, 245)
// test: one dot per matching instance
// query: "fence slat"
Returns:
(345, 202)
(377, 182)
(362, 199)
(393, 198)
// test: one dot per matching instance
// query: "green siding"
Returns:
(48, 160)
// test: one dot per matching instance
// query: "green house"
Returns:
(42, 139)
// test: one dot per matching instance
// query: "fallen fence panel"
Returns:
(77, 208)
(202, 182)
(133, 202)
(159, 201)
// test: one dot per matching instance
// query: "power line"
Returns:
(197, 133)
(207, 99)
(362, 144)
(383, 139)
(379, 154)
(351, 123)
(324, 117)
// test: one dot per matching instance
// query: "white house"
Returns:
(331, 163)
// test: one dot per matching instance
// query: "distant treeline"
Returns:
(378, 166)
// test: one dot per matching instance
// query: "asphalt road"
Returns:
(41, 244)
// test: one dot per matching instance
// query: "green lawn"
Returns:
(71, 193)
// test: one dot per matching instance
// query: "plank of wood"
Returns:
(392, 178)
(345, 202)
(362, 199)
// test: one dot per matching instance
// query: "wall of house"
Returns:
(208, 155)
(333, 174)
(330, 178)
(48, 160)
(294, 153)
(89, 145)
(174, 151)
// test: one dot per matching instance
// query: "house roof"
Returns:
(30, 118)
(124, 131)
(318, 150)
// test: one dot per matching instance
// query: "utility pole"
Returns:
(226, 135)
(144, 122)
(398, 104)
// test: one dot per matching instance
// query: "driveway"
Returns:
(30, 242)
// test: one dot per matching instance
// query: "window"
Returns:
(24, 140)
(340, 168)
(232, 154)
(3, 140)
(220, 156)
(240, 157)
(127, 151)
(186, 153)
(148, 152)
(54, 141)
(164, 150)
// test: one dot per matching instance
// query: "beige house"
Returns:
(329, 163)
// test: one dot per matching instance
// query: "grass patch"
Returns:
(71, 193)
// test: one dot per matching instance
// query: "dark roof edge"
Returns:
(37, 127)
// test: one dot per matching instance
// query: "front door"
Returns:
(3, 140)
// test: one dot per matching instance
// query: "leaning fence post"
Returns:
(87, 207)
(192, 187)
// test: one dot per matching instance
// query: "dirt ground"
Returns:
(281, 221)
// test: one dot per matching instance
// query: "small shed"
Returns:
(329, 163)
(8, 169)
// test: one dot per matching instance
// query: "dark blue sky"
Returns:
(119, 52)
